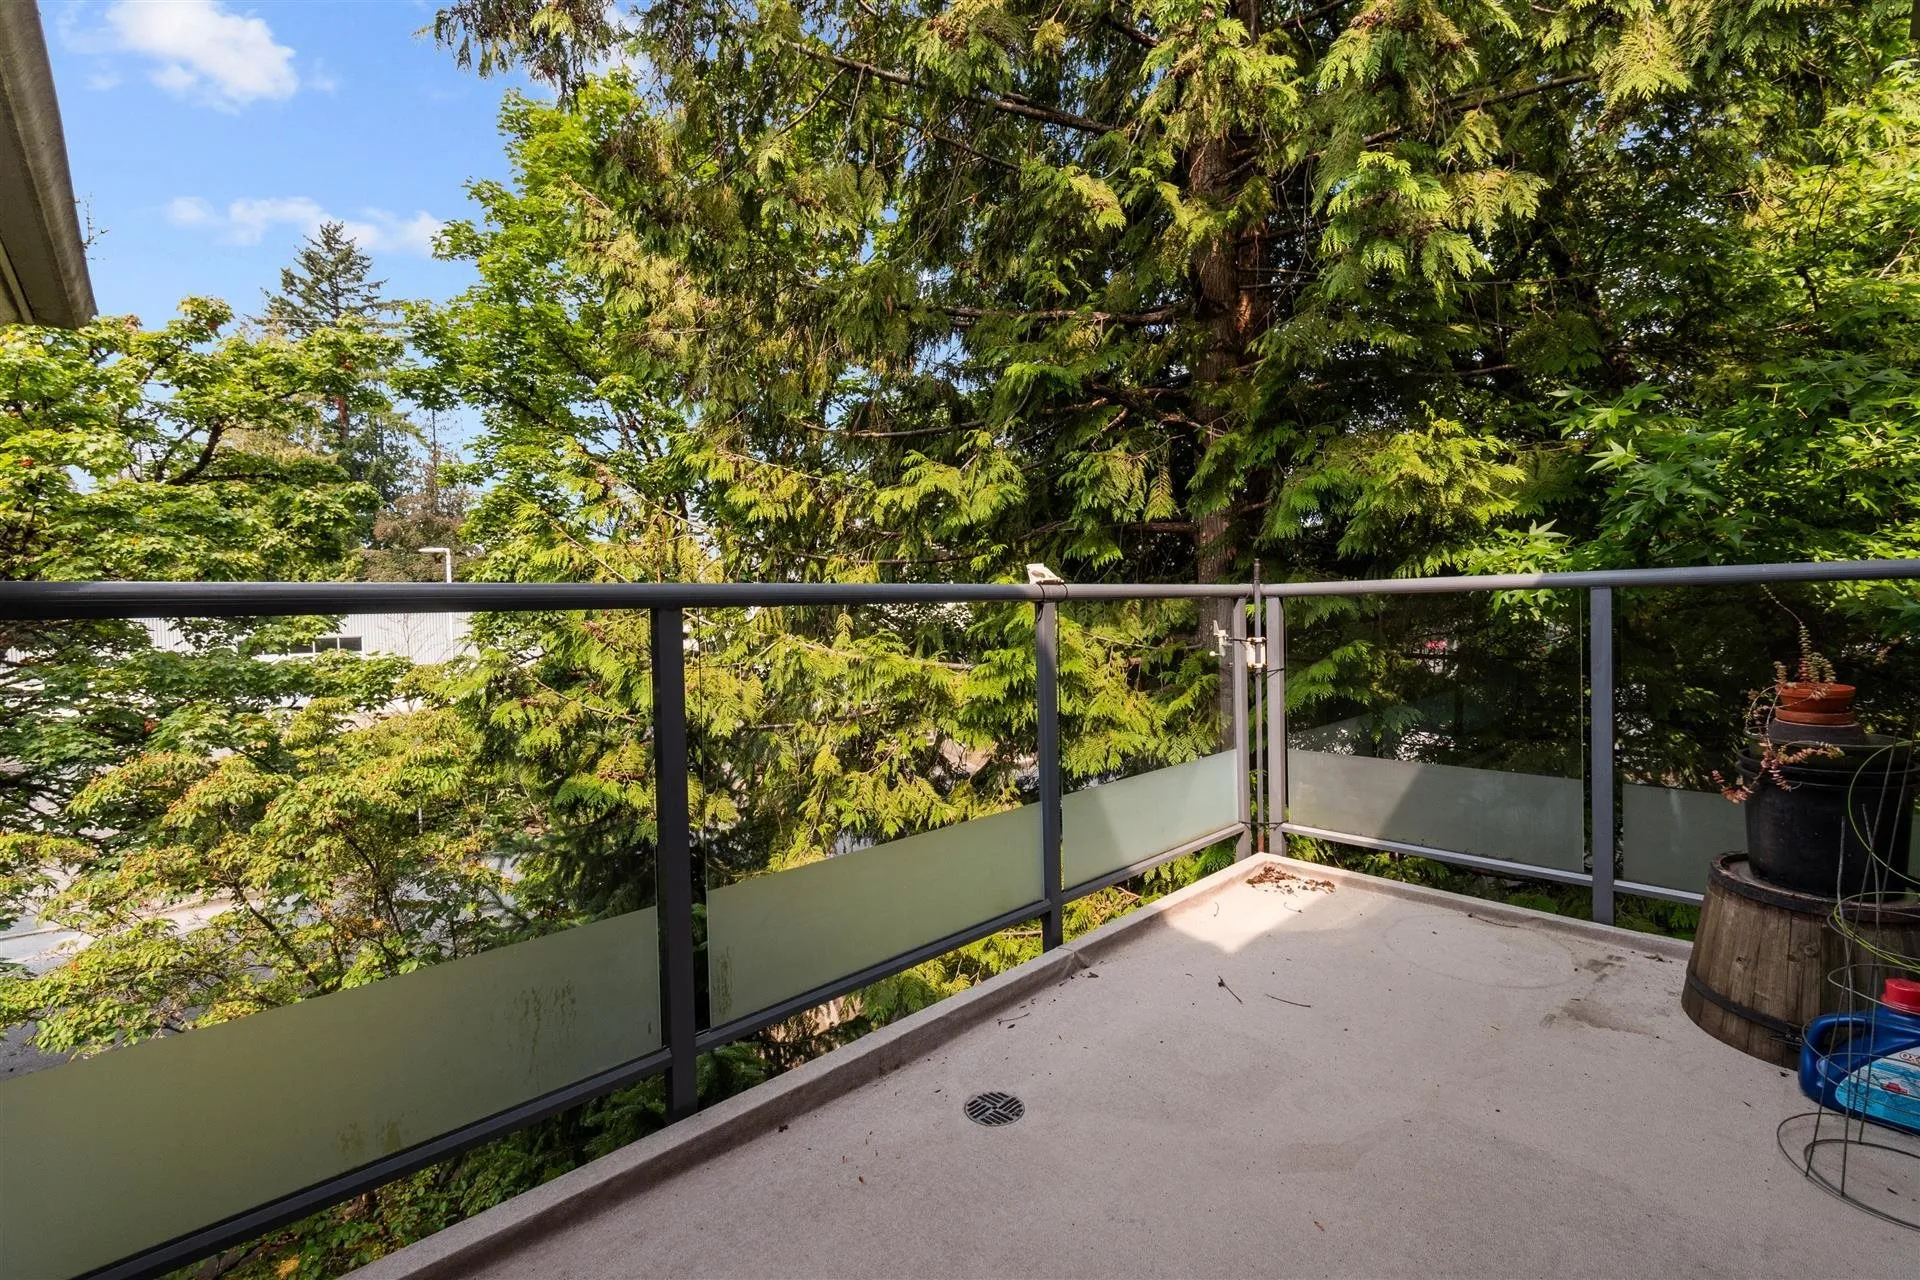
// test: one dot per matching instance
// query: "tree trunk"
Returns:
(1234, 313)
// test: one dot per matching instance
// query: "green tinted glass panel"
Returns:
(1670, 837)
(1117, 824)
(1519, 817)
(777, 935)
(111, 1155)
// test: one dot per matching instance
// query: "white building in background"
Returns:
(423, 637)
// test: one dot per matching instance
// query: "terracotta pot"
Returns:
(1804, 702)
(1796, 716)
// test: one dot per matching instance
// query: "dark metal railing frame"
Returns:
(666, 604)
(1262, 813)
(1602, 785)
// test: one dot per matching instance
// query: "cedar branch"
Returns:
(1160, 316)
(1013, 104)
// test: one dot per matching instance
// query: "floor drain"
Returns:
(995, 1108)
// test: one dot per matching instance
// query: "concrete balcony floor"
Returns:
(1390, 1082)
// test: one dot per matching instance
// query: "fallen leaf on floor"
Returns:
(1273, 879)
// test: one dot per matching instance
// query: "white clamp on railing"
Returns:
(1254, 646)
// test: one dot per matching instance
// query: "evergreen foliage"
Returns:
(1360, 289)
(328, 290)
(855, 290)
(326, 287)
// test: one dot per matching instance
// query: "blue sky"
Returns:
(207, 138)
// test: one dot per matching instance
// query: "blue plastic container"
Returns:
(1868, 1064)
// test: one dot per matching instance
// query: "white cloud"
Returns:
(224, 59)
(189, 211)
(416, 234)
(249, 221)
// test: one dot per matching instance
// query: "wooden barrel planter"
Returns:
(1763, 955)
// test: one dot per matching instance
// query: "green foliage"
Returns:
(168, 454)
(153, 455)
(836, 290)
(326, 288)
(314, 857)
(831, 290)
(810, 727)
(327, 292)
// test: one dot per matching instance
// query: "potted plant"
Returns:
(1829, 806)
(1811, 705)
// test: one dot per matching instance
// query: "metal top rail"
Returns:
(47, 601)
(1692, 576)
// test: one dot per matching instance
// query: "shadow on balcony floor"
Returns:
(1259, 1076)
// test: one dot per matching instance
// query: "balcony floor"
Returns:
(1474, 1090)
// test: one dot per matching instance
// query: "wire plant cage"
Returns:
(1871, 1163)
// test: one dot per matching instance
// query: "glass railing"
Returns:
(1452, 724)
(1584, 747)
(1690, 661)
(109, 1157)
(152, 1154)
(1479, 729)
(1148, 783)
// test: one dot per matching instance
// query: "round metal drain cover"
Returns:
(995, 1108)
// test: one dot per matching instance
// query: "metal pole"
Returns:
(49, 601)
(1600, 718)
(1242, 754)
(1276, 682)
(1046, 667)
(674, 854)
(446, 557)
(1259, 721)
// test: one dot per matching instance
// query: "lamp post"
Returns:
(446, 555)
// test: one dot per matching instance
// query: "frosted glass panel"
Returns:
(1521, 817)
(1120, 823)
(1670, 837)
(107, 1156)
(777, 935)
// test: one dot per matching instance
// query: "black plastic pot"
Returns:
(1844, 734)
(1842, 826)
(1820, 759)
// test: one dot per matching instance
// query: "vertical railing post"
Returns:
(1046, 667)
(1242, 754)
(1276, 682)
(1600, 721)
(1259, 721)
(674, 854)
